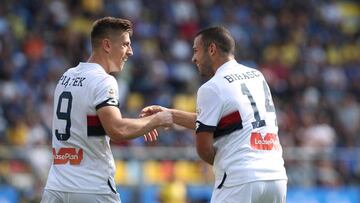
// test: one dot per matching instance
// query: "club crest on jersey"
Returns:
(198, 111)
(111, 93)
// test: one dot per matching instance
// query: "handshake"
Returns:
(164, 117)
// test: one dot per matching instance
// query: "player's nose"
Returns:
(130, 51)
(193, 59)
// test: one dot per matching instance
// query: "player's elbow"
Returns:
(117, 134)
(206, 154)
(204, 146)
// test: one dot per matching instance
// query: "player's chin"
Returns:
(121, 66)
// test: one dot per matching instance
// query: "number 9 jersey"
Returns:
(82, 158)
(236, 105)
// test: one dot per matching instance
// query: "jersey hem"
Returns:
(227, 184)
(80, 191)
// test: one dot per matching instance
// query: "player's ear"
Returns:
(212, 49)
(106, 45)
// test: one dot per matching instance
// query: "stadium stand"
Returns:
(308, 50)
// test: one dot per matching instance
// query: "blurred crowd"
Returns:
(309, 51)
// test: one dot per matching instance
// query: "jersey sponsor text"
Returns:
(269, 142)
(65, 155)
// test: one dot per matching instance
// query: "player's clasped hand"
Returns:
(165, 117)
(150, 110)
(151, 136)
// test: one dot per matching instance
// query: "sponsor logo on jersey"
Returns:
(269, 142)
(113, 102)
(67, 155)
(197, 124)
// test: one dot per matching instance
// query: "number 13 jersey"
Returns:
(236, 105)
(82, 158)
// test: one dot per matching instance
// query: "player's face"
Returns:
(121, 50)
(202, 59)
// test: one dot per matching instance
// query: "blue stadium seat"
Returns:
(8, 194)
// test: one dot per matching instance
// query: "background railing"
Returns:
(315, 175)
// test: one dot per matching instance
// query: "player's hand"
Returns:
(165, 119)
(151, 136)
(150, 110)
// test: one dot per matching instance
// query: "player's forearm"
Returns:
(205, 146)
(183, 118)
(208, 157)
(131, 128)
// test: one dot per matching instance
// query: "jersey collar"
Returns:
(91, 65)
(226, 65)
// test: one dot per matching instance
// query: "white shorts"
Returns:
(52, 196)
(273, 191)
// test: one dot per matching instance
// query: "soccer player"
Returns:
(235, 123)
(87, 116)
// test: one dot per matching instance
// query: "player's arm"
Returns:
(204, 146)
(209, 108)
(182, 118)
(119, 128)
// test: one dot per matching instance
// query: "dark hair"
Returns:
(104, 27)
(220, 36)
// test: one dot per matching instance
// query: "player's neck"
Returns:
(94, 58)
(219, 61)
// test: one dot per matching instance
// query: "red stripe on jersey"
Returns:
(230, 119)
(93, 121)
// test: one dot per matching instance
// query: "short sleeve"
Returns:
(106, 93)
(208, 109)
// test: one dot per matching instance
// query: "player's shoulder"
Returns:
(95, 73)
(218, 80)
(250, 73)
(101, 77)
(69, 71)
(209, 87)
(247, 68)
(211, 83)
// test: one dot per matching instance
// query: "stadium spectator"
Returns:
(309, 36)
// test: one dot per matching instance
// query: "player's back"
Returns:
(251, 151)
(83, 161)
